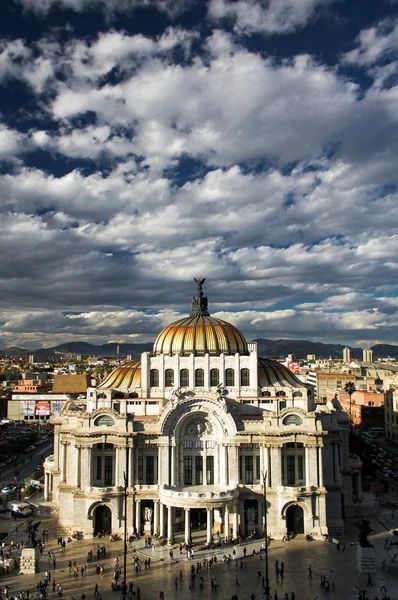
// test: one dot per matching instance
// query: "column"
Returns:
(262, 466)
(242, 517)
(226, 522)
(161, 520)
(155, 516)
(260, 523)
(172, 466)
(276, 466)
(131, 468)
(62, 462)
(222, 465)
(65, 462)
(235, 522)
(267, 466)
(187, 525)
(117, 469)
(307, 467)
(138, 516)
(46, 487)
(320, 467)
(170, 524)
(77, 466)
(89, 452)
(209, 513)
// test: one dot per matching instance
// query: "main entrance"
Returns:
(198, 518)
(102, 519)
(295, 519)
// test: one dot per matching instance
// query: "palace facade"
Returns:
(200, 431)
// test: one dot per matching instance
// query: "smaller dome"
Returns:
(273, 374)
(123, 377)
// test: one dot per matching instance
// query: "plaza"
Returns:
(339, 567)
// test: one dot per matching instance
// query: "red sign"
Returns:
(43, 408)
(293, 366)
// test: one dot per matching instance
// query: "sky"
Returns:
(147, 142)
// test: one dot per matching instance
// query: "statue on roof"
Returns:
(199, 302)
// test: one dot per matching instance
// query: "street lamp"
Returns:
(267, 593)
(125, 481)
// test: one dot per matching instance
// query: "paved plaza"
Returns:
(339, 567)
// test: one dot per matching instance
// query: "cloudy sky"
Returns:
(146, 142)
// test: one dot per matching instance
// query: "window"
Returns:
(293, 463)
(169, 377)
(104, 421)
(99, 469)
(249, 470)
(154, 378)
(229, 377)
(150, 469)
(184, 378)
(258, 474)
(140, 468)
(199, 378)
(214, 377)
(187, 470)
(108, 474)
(198, 470)
(210, 470)
(291, 474)
(244, 377)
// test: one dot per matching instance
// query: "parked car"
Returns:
(6, 490)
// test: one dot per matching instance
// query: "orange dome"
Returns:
(125, 376)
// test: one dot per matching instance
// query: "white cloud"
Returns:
(266, 16)
(375, 43)
(42, 7)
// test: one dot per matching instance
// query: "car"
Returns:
(6, 490)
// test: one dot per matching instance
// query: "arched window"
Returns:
(267, 393)
(229, 377)
(280, 393)
(244, 377)
(169, 377)
(154, 378)
(184, 378)
(214, 377)
(199, 378)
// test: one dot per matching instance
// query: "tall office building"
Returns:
(346, 355)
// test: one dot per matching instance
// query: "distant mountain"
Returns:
(385, 351)
(281, 348)
(266, 347)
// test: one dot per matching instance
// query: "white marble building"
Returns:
(196, 429)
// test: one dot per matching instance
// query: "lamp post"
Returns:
(125, 481)
(266, 594)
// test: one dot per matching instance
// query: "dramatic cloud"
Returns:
(134, 158)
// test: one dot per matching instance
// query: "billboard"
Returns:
(28, 408)
(293, 366)
(57, 406)
(43, 408)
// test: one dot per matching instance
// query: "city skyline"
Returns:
(144, 143)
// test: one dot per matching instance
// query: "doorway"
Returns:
(198, 518)
(295, 519)
(102, 519)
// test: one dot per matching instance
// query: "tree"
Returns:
(350, 389)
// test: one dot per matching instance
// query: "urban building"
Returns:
(191, 432)
(346, 355)
(321, 381)
(368, 356)
(367, 407)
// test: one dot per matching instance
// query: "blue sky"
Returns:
(145, 142)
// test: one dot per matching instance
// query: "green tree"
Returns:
(350, 389)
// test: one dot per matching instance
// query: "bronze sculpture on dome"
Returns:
(199, 302)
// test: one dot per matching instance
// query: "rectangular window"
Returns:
(198, 470)
(258, 474)
(140, 468)
(108, 473)
(210, 470)
(99, 469)
(150, 469)
(300, 470)
(249, 470)
(187, 470)
(291, 476)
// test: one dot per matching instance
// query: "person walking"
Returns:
(96, 590)
(369, 581)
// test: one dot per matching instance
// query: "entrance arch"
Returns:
(295, 519)
(102, 519)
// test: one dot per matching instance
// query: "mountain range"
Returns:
(268, 348)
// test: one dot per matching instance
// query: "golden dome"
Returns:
(200, 334)
(125, 376)
(273, 374)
